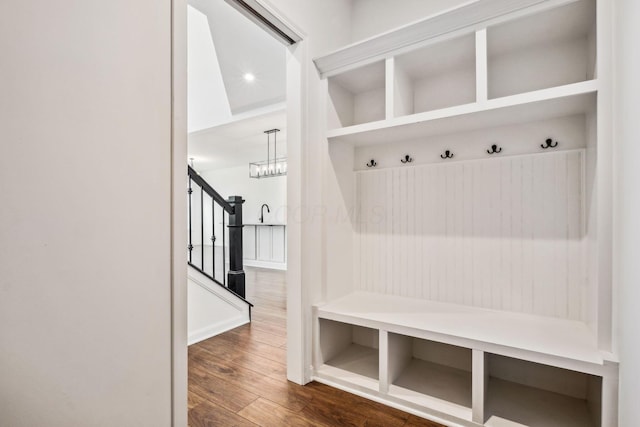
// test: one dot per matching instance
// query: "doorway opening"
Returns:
(237, 116)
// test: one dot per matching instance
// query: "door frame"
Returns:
(298, 326)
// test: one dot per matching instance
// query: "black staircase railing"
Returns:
(205, 206)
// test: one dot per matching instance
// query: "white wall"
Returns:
(372, 17)
(255, 192)
(208, 101)
(85, 176)
(627, 216)
(212, 309)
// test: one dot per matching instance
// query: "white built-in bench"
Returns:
(463, 365)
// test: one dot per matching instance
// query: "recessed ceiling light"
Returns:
(249, 77)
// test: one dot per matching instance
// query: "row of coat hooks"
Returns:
(448, 154)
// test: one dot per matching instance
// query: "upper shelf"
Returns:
(535, 62)
(464, 19)
(561, 101)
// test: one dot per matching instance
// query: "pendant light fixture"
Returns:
(272, 166)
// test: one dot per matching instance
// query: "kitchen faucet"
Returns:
(262, 212)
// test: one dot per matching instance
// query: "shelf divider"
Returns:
(384, 362)
(482, 89)
(390, 88)
(480, 381)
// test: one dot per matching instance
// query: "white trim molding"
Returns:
(472, 16)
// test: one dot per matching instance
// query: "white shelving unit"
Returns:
(520, 393)
(420, 84)
(429, 374)
(546, 50)
(481, 292)
(358, 96)
(349, 353)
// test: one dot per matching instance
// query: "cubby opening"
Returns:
(357, 96)
(544, 50)
(430, 374)
(535, 395)
(437, 76)
(350, 348)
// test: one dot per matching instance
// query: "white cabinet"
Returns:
(481, 267)
(278, 243)
(265, 246)
(264, 243)
(249, 242)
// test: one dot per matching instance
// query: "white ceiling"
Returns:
(228, 115)
(238, 143)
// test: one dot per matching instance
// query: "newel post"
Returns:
(235, 275)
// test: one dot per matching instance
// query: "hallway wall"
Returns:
(85, 221)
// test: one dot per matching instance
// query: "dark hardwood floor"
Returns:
(239, 378)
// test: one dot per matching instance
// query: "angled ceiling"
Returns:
(228, 115)
(243, 47)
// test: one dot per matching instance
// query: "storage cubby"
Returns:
(544, 50)
(351, 350)
(480, 186)
(437, 76)
(357, 96)
(522, 393)
(430, 374)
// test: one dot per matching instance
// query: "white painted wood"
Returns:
(364, 379)
(334, 338)
(270, 246)
(264, 243)
(340, 107)
(609, 396)
(480, 380)
(399, 356)
(540, 339)
(568, 100)
(384, 365)
(348, 353)
(514, 405)
(541, 50)
(442, 354)
(434, 386)
(546, 249)
(357, 359)
(539, 376)
(536, 68)
(462, 20)
(607, 169)
(266, 264)
(436, 76)
(369, 106)
(278, 239)
(402, 91)
(249, 242)
(390, 89)
(525, 233)
(357, 96)
(595, 392)
(482, 77)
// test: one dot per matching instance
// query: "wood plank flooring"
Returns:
(238, 378)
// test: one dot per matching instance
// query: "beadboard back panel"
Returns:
(503, 233)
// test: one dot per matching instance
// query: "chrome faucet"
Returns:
(264, 205)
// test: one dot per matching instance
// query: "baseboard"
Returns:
(216, 329)
(265, 264)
